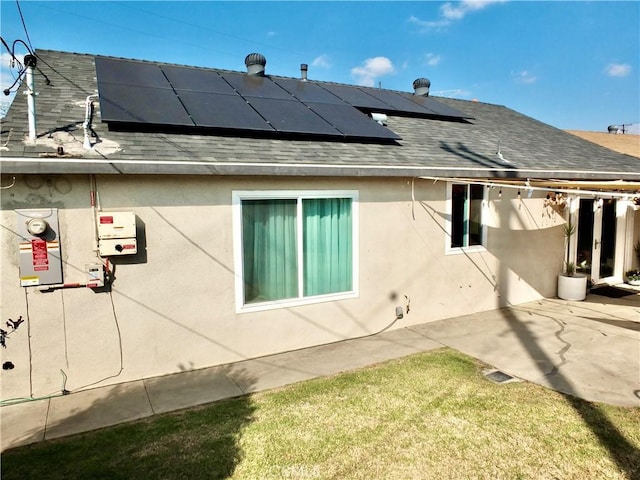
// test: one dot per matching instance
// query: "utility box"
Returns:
(117, 233)
(39, 249)
(117, 246)
(116, 225)
(95, 275)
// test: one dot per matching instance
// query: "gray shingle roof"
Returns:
(429, 146)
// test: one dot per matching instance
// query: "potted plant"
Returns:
(571, 285)
(633, 277)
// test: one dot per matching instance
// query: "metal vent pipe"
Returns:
(30, 62)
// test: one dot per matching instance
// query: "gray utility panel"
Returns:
(39, 246)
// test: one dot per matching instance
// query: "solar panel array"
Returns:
(134, 92)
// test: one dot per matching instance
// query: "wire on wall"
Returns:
(28, 318)
(5, 187)
(121, 369)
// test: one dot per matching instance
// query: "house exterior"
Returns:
(221, 242)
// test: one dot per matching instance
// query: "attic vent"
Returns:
(421, 87)
(255, 63)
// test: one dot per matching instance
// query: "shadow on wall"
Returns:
(533, 253)
(519, 251)
(201, 442)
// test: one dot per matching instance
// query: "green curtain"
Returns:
(269, 250)
(327, 246)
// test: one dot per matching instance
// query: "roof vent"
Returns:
(255, 63)
(303, 71)
(421, 87)
(612, 128)
(381, 118)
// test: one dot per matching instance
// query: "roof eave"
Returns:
(25, 165)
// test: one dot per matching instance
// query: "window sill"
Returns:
(295, 302)
(466, 250)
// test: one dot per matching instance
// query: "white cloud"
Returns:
(524, 76)
(457, 11)
(372, 68)
(451, 12)
(453, 93)
(321, 61)
(618, 69)
(432, 60)
(272, 33)
(427, 25)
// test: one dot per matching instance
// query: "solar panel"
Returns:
(308, 91)
(196, 79)
(436, 107)
(255, 86)
(215, 110)
(291, 116)
(126, 72)
(395, 102)
(132, 104)
(351, 122)
(356, 97)
(144, 93)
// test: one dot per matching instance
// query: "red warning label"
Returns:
(106, 219)
(39, 255)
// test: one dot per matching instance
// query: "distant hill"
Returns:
(628, 143)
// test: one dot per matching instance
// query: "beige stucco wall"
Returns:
(172, 307)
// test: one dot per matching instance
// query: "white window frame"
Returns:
(449, 250)
(237, 196)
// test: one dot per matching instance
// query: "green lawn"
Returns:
(428, 416)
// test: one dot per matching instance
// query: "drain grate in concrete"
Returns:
(496, 376)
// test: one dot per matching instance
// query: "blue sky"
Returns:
(574, 65)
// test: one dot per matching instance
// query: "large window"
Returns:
(294, 247)
(466, 228)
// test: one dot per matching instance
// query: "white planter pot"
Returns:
(572, 288)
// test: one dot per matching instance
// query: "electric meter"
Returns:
(37, 226)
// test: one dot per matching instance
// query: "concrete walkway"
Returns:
(589, 349)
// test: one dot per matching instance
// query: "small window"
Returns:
(466, 228)
(295, 248)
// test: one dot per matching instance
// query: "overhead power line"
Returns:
(24, 25)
